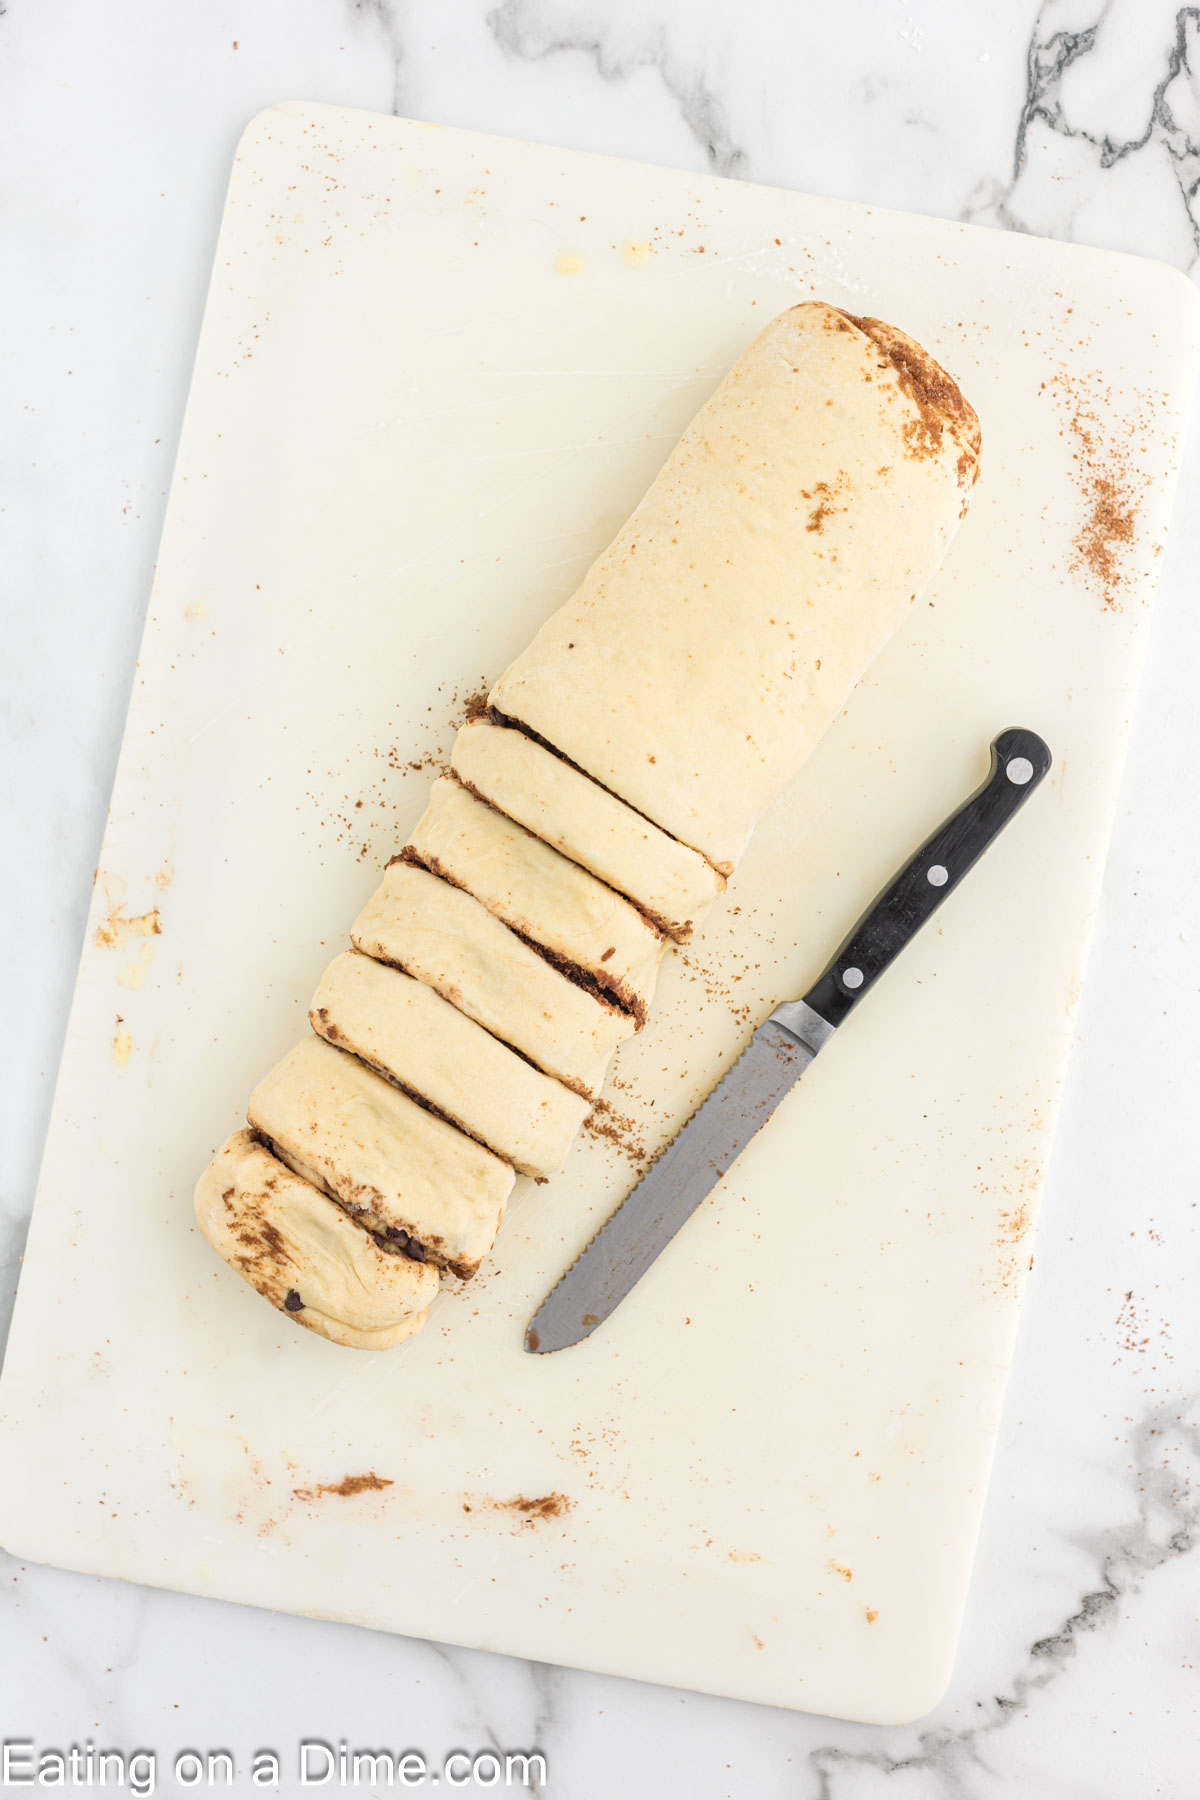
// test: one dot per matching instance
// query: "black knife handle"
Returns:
(1020, 759)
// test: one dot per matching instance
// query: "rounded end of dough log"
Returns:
(300, 1250)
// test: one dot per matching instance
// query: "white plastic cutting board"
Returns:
(436, 372)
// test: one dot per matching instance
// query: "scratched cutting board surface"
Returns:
(436, 372)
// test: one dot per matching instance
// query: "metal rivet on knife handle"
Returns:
(932, 874)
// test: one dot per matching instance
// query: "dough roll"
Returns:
(784, 540)
(591, 819)
(304, 1254)
(448, 939)
(407, 1031)
(408, 1175)
(539, 893)
(673, 886)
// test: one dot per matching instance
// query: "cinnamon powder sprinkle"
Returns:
(529, 1508)
(544, 1506)
(619, 1129)
(1106, 530)
(1107, 483)
(117, 929)
(347, 1487)
(1015, 1223)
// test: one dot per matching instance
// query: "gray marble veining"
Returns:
(1166, 1527)
(522, 28)
(1078, 95)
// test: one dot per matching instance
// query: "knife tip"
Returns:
(536, 1343)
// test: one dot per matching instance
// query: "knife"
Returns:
(778, 1054)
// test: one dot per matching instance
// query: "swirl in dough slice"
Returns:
(447, 939)
(781, 544)
(410, 1176)
(300, 1250)
(560, 907)
(407, 1031)
(672, 884)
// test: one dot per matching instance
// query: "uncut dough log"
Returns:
(447, 939)
(673, 884)
(287, 1239)
(407, 1031)
(785, 538)
(385, 1158)
(539, 893)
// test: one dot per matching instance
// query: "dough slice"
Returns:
(407, 1031)
(673, 885)
(783, 541)
(539, 893)
(290, 1241)
(445, 938)
(407, 1174)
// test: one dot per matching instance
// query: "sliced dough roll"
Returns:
(304, 1254)
(444, 937)
(406, 1173)
(674, 885)
(539, 893)
(782, 543)
(403, 1028)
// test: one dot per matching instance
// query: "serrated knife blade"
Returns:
(778, 1054)
(673, 1187)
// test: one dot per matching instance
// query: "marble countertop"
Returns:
(1077, 119)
